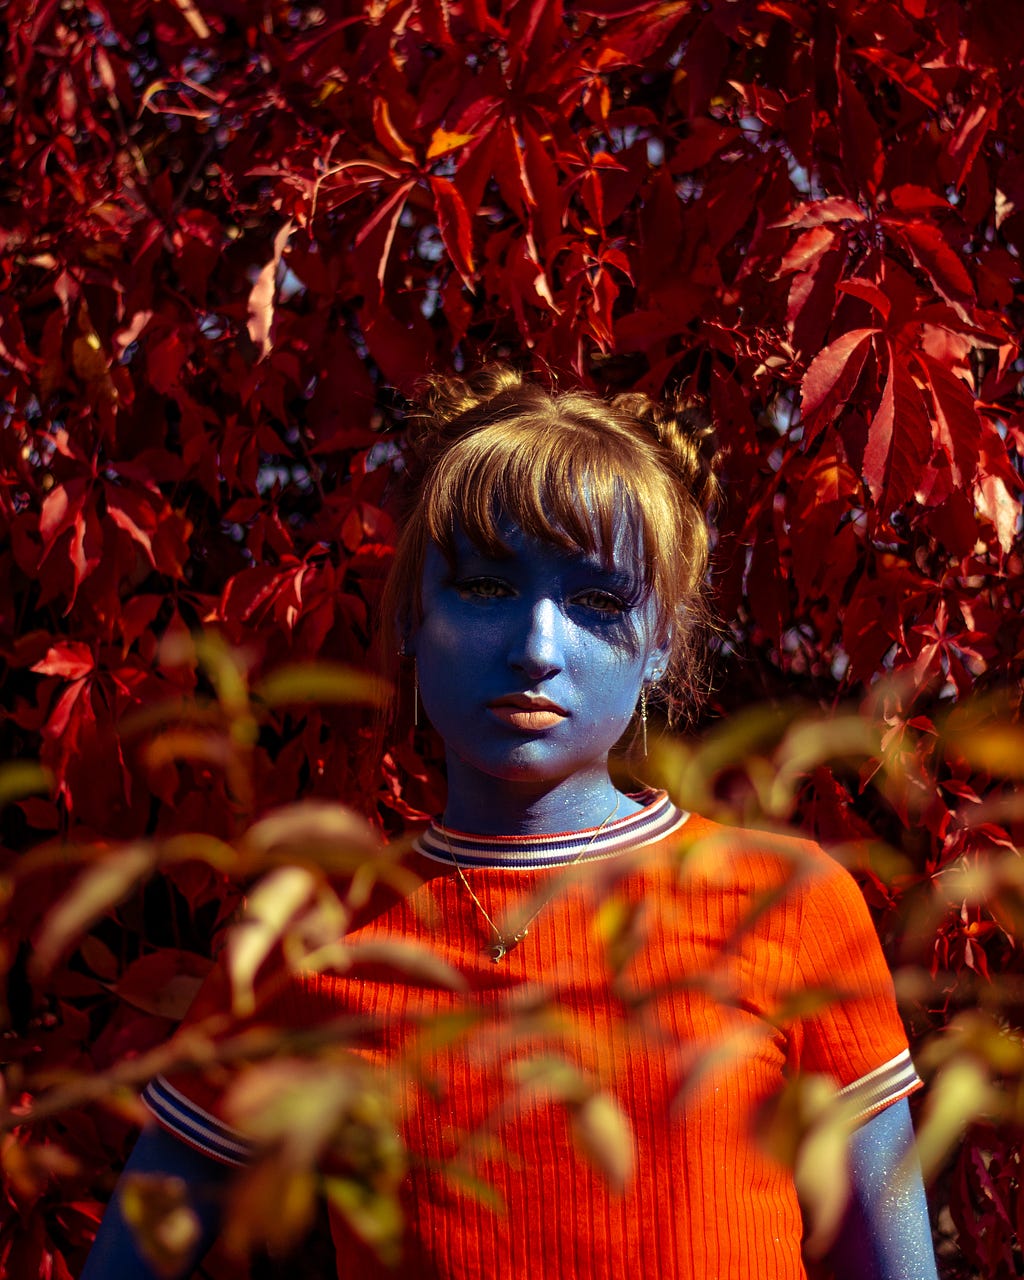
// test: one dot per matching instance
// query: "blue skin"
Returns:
(562, 625)
(543, 621)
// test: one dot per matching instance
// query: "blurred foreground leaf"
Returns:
(376, 1217)
(165, 1226)
(314, 831)
(807, 1128)
(958, 1094)
(604, 1135)
(19, 778)
(321, 682)
(102, 885)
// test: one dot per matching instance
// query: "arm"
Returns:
(886, 1234)
(114, 1251)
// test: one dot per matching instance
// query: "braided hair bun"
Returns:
(683, 426)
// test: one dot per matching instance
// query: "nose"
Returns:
(538, 647)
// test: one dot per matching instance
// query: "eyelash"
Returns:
(472, 587)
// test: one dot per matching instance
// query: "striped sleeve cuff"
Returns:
(882, 1087)
(194, 1126)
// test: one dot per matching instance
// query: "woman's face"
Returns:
(530, 666)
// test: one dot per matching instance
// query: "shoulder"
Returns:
(772, 884)
(747, 856)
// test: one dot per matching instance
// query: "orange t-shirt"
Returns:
(692, 1012)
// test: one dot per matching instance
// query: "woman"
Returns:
(547, 583)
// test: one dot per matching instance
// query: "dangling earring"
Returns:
(643, 716)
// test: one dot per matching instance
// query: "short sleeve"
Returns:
(857, 1038)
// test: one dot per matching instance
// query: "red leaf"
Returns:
(909, 198)
(868, 292)
(453, 222)
(61, 508)
(861, 144)
(899, 440)
(813, 214)
(812, 300)
(705, 139)
(932, 253)
(832, 376)
(533, 30)
(767, 585)
(387, 135)
(958, 428)
(905, 72)
(70, 659)
(807, 249)
(73, 702)
(378, 232)
(137, 615)
(999, 507)
(134, 515)
(164, 361)
(86, 548)
(976, 121)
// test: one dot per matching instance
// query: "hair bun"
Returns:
(683, 425)
(447, 407)
(445, 399)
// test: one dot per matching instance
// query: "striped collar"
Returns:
(659, 817)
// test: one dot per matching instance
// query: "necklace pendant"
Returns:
(497, 951)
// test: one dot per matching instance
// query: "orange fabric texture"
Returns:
(691, 1015)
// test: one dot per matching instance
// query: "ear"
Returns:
(657, 661)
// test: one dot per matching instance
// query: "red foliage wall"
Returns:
(233, 234)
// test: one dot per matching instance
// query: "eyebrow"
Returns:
(631, 581)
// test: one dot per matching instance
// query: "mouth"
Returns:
(523, 711)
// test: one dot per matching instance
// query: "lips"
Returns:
(526, 711)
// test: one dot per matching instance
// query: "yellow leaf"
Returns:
(442, 142)
(374, 1217)
(321, 682)
(89, 359)
(605, 1136)
(23, 778)
(996, 748)
(189, 744)
(194, 18)
(316, 831)
(273, 904)
(166, 1228)
(291, 1105)
(959, 1093)
(412, 959)
(272, 1205)
(553, 1078)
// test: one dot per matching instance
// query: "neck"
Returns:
(484, 805)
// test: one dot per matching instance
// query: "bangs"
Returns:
(567, 486)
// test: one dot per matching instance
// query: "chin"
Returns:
(526, 762)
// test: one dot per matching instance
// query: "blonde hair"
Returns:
(494, 445)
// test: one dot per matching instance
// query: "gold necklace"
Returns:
(503, 944)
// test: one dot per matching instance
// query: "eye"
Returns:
(602, 602)
(482, 588)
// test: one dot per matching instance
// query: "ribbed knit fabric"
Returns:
(700, 1029)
